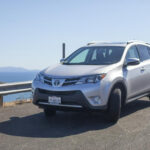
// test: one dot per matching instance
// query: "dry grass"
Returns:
(17, 102)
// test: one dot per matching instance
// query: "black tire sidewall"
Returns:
(114, 105)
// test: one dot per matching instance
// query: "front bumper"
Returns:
(70, 100)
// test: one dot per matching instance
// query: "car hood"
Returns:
(74, 70)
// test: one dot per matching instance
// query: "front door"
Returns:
(134, 75)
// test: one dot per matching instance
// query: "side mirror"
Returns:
(132, 62)
(62, 60)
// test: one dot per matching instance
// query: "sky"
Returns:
(32, 31)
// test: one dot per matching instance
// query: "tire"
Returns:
(114, 105)
(48, 112)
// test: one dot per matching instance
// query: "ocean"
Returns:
(17, 77)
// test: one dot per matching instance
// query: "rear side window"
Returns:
(148, 50)
(144, 52)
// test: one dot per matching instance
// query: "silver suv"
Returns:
(99, 76)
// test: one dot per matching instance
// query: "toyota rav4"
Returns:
(99, 76)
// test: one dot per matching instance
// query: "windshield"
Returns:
(95, 56)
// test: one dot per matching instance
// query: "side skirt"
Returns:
(137, 97)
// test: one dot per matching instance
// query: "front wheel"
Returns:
(48, 112)
(114, 105)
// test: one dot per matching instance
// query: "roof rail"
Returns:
(104, 42)
(94, 42)
(132, 41)
(128, 42)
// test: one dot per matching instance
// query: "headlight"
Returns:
(39, 77)
(91, 79)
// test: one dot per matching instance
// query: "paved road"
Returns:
(24, 127)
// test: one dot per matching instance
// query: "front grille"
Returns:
(68, 81)
(48, 80)
(57, 92)
(67, 97)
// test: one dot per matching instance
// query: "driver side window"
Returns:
(132, 53)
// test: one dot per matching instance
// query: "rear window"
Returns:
(144, 52)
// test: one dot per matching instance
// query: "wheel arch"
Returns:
(122, 85)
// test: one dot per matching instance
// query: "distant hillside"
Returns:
(15, 69)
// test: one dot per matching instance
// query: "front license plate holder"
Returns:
(54, 100)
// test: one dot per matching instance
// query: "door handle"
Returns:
(142, 69)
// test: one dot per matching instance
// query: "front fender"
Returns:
(109, 85)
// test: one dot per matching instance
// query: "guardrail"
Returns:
(13, 88)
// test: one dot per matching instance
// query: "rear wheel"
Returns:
(114, 105)
(48, 112)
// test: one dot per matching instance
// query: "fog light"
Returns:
(95, 100)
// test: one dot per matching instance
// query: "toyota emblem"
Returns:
(57, 82)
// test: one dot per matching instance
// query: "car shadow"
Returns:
(64, 123)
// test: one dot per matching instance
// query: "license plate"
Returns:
(54, 100)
